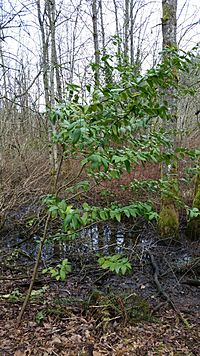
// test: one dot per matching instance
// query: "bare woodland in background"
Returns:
(47, 45)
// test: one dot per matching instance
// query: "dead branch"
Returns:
(192, 282)
(162, 292)
(35, 270)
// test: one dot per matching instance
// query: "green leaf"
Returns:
(115, 263)
(103, 215)
(128, 165)
(124, 269)
(86, 206)
(53, 211)
(94, 215)
(76, 136)
(62, 205)
(75, 222)
(114, 130)
(133, 212)
(118, 216)
(127, 213)
(193, 213)
(85, 218)
(105, 164)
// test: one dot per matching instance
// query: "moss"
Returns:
(125, 305)
(196, 202)
(167, 12)
(168, 221)
(197, 189)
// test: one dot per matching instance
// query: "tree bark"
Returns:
(169, 217)
(96, 42)
(193, 229)
(51, 75)
(126, 29)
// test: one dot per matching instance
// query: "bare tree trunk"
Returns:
(169, 218)
(106, 70)
(45, 64)
(126, 29)
(117, 32)
(55, 75)
(51, 18)
(102, 27)
(132, 20)
(96, 42)
(51, 75)
(72, 53)
(135, 51)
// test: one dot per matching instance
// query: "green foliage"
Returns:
(113, 132)
(40, 316)
(38, 293)
(30, 222)
(75, 218)
(14, 297)
(115, 263)
(60, 272)
(193, 213)
(167, 188)
(121, 112)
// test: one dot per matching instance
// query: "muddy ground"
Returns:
(153, 310)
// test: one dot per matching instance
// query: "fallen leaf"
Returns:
(19, 353)
(56, 341)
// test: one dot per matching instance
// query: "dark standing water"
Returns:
(103, 239)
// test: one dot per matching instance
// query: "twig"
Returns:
(162, 292)
(102, 276)
(192, 282)
(71, 181)
(13, 278)
(35, 270)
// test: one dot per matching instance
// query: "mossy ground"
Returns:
(126, 306)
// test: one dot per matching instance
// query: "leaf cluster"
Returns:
(60, 272)
(115, 263)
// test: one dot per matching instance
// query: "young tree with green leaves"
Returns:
(114, 132)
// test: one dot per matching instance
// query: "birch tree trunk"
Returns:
(169, 218)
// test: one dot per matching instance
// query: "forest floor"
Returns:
(95, 312)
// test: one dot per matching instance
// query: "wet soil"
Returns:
(64, 318)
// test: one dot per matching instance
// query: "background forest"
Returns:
(99, 176)
(47, 46)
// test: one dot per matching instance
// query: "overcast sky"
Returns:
(188, 21)
(24, 42)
